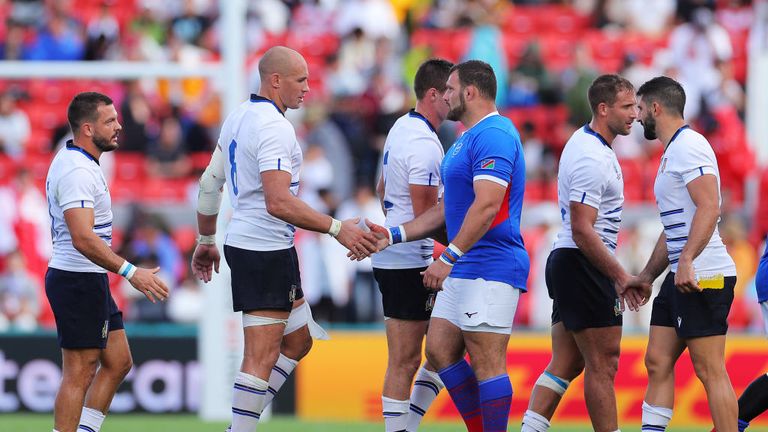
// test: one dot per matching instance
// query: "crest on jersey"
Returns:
(488, 164)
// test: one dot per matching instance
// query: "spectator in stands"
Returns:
(533, 149)
(186, 304)
(190, 25)
(136, 115)
(365, 296)
(532, 66)
(649, 17)
(321, 131)
(58, 40)
(13, 46)
(696, 47)
(167, 157)
(103, 34)
(149, 237)
(14, 126)
(18, 295)
(745, 257)
(8, 240)
(576, 80)
(376, 18)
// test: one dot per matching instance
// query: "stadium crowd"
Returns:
(362, 55)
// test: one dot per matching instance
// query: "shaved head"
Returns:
(284, 77)
(279, 60)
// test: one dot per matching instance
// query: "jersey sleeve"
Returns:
(695, 161)
(494, 153)
(272, 145)
(424, 163)
(76, 189)
(586, 180)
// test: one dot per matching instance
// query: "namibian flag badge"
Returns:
(488, 164)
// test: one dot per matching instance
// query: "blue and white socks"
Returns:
(280, 372)
(247, 402)
(90, 420)
(655, 418)
(426, 387)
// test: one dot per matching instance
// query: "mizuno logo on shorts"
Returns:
(469, 314)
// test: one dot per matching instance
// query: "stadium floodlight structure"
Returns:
(220, 331)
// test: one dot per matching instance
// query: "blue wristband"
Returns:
(451, 255)
(397, 235)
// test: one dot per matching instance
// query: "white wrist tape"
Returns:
(335, 228)
(127, 270)
(207, 239)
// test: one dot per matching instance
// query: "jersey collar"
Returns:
(591, 131)
(416, 114)
(256, 98)
(677, 132)
(71, 146)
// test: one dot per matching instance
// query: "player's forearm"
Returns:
(476, 223)
(657, 262)
(297, 213)
(428, 224)
(702, 226)
(597, 253)
(206, 224)
(98, 252)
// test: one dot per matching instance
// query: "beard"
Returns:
(456, 113)
(649, 128)
(104, 144)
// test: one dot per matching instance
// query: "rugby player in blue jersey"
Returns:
(484, 270)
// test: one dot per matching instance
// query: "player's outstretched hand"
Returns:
(205, 260)
(435, 274)
(146, 281)
(380, 233)
(362, 244)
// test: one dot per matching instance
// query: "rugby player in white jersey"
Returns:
(584, 278)
(260, 159)
(691, 310)
(94, 349)
(409, 185)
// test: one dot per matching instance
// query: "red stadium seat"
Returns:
(129, 166)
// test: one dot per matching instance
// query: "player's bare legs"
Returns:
(566, 363)
(78, 367)
(664, 348)
(296, 345)
(116, 362)
(404, 342)
(445, 344)
(262, 344)
(600, 348)
(488, 352)
(708, 357)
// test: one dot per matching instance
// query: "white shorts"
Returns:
(477, 305)
(764, 309)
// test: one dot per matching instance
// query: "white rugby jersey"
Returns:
(590, 173)
(75, 180)
(255, 138)
(412, 156)
(687, 157)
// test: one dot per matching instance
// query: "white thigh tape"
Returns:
(253, 320)
(302, 316)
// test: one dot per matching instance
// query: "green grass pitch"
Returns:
(189, 423)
